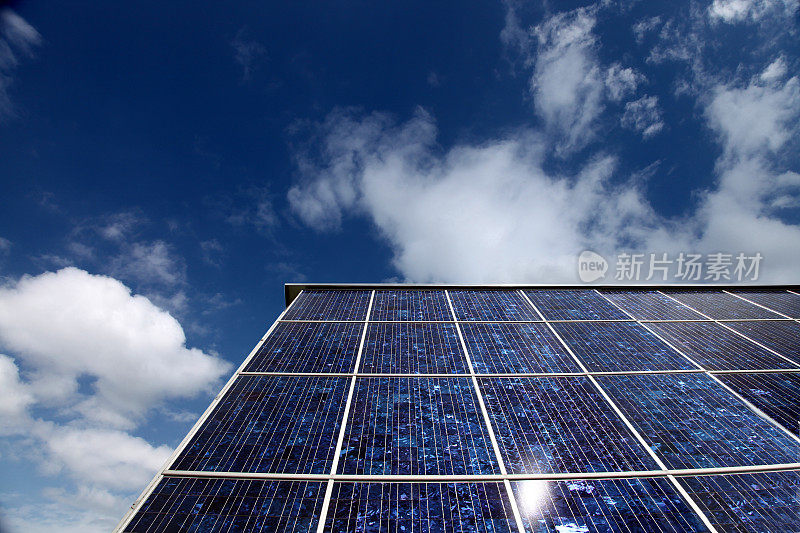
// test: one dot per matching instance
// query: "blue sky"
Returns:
(165, 169)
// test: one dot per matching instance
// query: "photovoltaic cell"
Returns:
(329, 305)
(309, 347)
(777, 394)
(650, 305)
(691, 421)
(559, 424)
(574, 506)
(783, 336)
(420, 507)
(191, 504)
(415, 304)
(498, 305)
(781, 301)
(574, 304)
(720, 305)
(516, 348)
(416, 426)
(406, 348)
(763, 502)
(270, 424)
(716, 348)
(619, 347)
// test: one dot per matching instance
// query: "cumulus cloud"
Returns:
(643, 116)
(621, 82)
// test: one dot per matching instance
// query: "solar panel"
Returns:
(619, 346)
(192, 504)
(781, 301)
(420, 507)
(492, 306)
(691, 421)
(516, 348)
(559, 424)
(783, 336)
(650, 305)
(329, 305)
(583, 505)
(415, 304)
(777, 394)
(716, 348)
(427, 426)
(574, 304)
(720, 305)
(270, 424)
(309, 347)
(407, 348)
(763, 502)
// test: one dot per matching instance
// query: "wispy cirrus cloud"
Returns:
(18, 39)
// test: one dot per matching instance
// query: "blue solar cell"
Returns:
(420, 507)
(720, 305)
(574, 304)
(783, 336)
(270, 424)
(191, 504)
(781, 301)
(715, 347)
(309, 347)
(619, 347)
(559, 424)
(415, 304)
(765, 502)
(579, 505)
(412, 349)
(498, 305)
(650, 305)
(691, 421)
(516, 348)
(416, 426)
(777, 394)
(329, 305)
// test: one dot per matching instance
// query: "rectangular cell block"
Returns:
(584, 505)
(420, 507)
(516, 348)
(492, 306)
(691, 421)
(574, 304)
(777, 394)
(763, 502)
(559, 424)
(720, 305)
(619, 347)
(715, 347)
(650, 305)
(782, 336)
(413, 304)
(283, 424)
(309, 347)
(192, 504)
(430, 348)
(780, 301)
(416, 426)
(329, 305)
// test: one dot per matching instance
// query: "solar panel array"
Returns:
(501, 410)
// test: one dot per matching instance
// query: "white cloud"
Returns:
(15, 398)
(644, 116)
(732, 11)
(567, 83)
(149, 263)
(17, 38)
(775, 71)
(5, 245)
(645, 26)
(621, 82)
(69, 324)
(247, 53)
